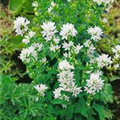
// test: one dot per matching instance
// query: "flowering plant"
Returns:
(61, 58)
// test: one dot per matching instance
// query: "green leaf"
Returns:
(100, 110)
(114, 77)
(81, 107)
(15, 5)
(58, 101)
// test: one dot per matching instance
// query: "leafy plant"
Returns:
(21, 101)
(64, 66)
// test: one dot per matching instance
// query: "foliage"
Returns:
(20, 100)
(82, 15)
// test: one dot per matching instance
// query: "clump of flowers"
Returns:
(21, 25)
(95, 32)
(94, 84)
(68, 30)
(49, 29)
(66, 80)
(59, 52)
(104, 61)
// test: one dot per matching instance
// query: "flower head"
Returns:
(94, 84)
(68, 30)
(64, 65)
(95, 32)
(49, 29)
(41, 88)
(104, 60)
(21, 25)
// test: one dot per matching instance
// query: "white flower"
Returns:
(76, 90)
(31, 34)
(68, 30)
(35, 4)
(27, 53)
(41, 88)
(94, 84)
(105, 20)
(54, 47)
(52, 5)
(50, 9)
(37, 46)
(116, 50)
(95, 32)
(44, 60)
(21, 25)
(64, 65)
(67, 46)
(57, 93)
(116, 66)
(104, 60)
(67, 55)
(26, 40)
(77, 48)
(49, 29)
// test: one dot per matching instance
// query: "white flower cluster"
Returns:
(103, 61)
(52, 5)
(41, 88)
(30, 52)
(68, 30)
(49, 29)
(21, 25)
(106, 2)
(94, 83)
(27, 38)
(90, 50)
(70, 48)
(95, 32)
(66, 81)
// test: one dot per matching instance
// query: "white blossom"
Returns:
(52, 5)
(35, 4)
(116, 50)
(27, 38)
(105, 20)
(21, 25)
(103, 60)
(49, 29)
(27, 53)
(66, 45)
(41, 88)
(37, 46)
(57, 93)
(94, 84)
(68, 30)
(95, 32)
(66, 81)
(77, 48)
(54, 47)
(64, 65)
